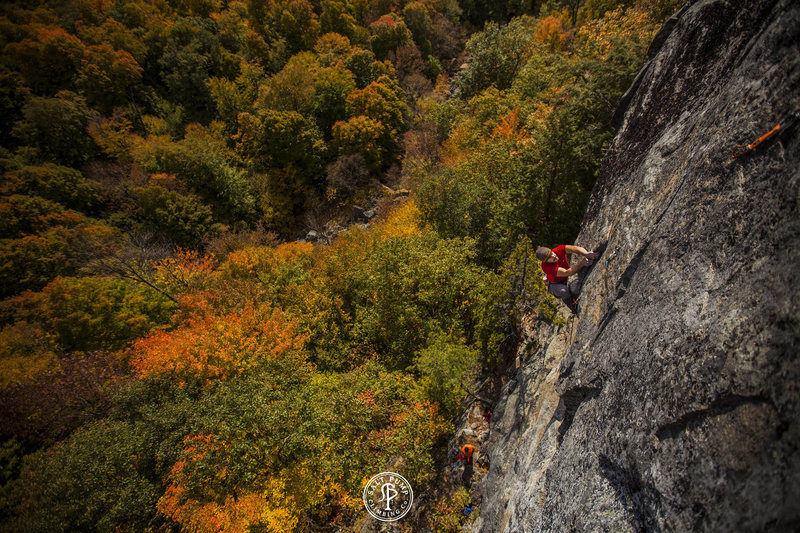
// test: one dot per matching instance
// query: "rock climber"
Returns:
(468, 450)
(558, 270)
(465, 454)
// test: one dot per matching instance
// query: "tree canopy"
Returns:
(173, 353)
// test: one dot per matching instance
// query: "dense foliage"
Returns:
(521, 147)
(170, 356)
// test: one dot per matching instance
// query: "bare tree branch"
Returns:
(133, 259)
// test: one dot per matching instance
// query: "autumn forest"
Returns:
(200, 327)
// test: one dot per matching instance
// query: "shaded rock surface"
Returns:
(672, 405)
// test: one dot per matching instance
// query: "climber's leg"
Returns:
(562, 292)
(575, 287)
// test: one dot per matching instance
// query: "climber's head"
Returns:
(546, 255)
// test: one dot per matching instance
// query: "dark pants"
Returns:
(566, 293)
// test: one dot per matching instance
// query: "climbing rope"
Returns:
(785, 124)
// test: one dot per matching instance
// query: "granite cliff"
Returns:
(671, 402)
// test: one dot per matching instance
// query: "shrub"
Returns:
(446, 514)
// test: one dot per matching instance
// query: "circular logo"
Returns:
(388, 496)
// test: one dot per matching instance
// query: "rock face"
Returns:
(673, 403)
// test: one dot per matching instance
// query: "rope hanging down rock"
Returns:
(785, 124)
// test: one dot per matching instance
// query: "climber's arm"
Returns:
(565, 273)
(582, 262)
(580, 250)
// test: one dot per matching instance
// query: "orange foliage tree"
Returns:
(276, 267)
(552, 31)
(218, 346)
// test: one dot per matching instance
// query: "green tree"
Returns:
(408, 288)
(109, 473)
(332, 87)
(183, 218)
(484, 197)
(496, 55)
(548, 150)
(287, 153)
(116, 34)
(270, 53)
(96, 313)
(57, 128)
(444, 115)
(189, 55)
(335, 18)
(13, 94)
(360, 64)
(478, 13)
(204, 162)
(31, 261)
(237, 96)
(444, 364)
(297, 23)
(59, 184)
(291, 89)
(542, 71)
(418, 19)
(275, 139)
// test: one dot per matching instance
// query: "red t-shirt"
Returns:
(551, 268)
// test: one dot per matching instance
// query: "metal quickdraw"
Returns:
(785, 124)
